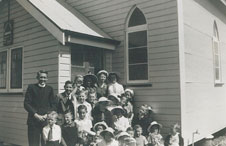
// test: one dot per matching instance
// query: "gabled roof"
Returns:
(68, 26)
(63, 18)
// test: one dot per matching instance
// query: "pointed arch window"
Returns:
(216, 55)
(137, 47)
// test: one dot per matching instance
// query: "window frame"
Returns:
(143, 27)
(216, 40)
(8, 75)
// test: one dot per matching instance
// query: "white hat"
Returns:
(100, 123)
(102, 72)
(130, 91)
(103, 99)
(109, 130)
(152, 124)
(121, 134)
(115, 96)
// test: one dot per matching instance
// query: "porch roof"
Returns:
(70, 25)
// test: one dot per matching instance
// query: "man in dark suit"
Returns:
(39, 99)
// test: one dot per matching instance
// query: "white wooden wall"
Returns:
(40, 52)
(110, 16)
(204, 103)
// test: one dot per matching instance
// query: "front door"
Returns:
(85, 59)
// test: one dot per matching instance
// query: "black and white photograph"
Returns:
(112, 72)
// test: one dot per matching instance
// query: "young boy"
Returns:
(52, 132)
(92, 97)
(140, 139)
(69, 130)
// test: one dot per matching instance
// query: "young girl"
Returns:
(102, 83)
(83, 122)
(128, 107)
(90, 81)
(174, 138)
(108, 138)
(69, 130)
(114, 87)
(143, 118)
(120, 123)
(154, 138)
(98, 128)
(78, 82)
(140, 139)
(52, 132)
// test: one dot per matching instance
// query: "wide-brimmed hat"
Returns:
(102, 72)
(100, 123)
(154, 123)
(122, 134)
(103, 99)
(92, 77)
(116, 108)
(113, 73)
(107, 130)
(130, 91)
(114, 97)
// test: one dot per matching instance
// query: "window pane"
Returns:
(137, 39)
(138, 55)
(137, 18)
(217, 61)
(217, 74)
(16, 68)
(3, 69)
(138, 72)
(77, 56)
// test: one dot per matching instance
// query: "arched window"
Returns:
(137, 47)
(216, 55)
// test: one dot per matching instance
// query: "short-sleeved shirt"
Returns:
(141, 141)
(56, 134)
(115, 88)
(85, 124)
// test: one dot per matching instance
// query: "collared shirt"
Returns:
(42, 86)
(115, 88)
(56, 134)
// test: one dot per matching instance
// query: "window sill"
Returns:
(148, 84)
(219, 84)
(11, 91)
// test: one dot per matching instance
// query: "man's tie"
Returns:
(50, 135)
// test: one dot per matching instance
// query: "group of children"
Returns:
(97, 111)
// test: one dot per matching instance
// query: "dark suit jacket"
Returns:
(39, 100)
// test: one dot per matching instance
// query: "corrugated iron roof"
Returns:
(63, 18)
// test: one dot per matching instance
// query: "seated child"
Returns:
(130, 131)
(108, 138)
(69, 130)
(174, 138)
(52, 132)
(114, 87)
(81, 100)
(83, 122)
(143, 118)
(120, 123)
(155, 138)
(92, 97)
(140, 139)
(121, 138)
(128, 107)
(98, 128)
